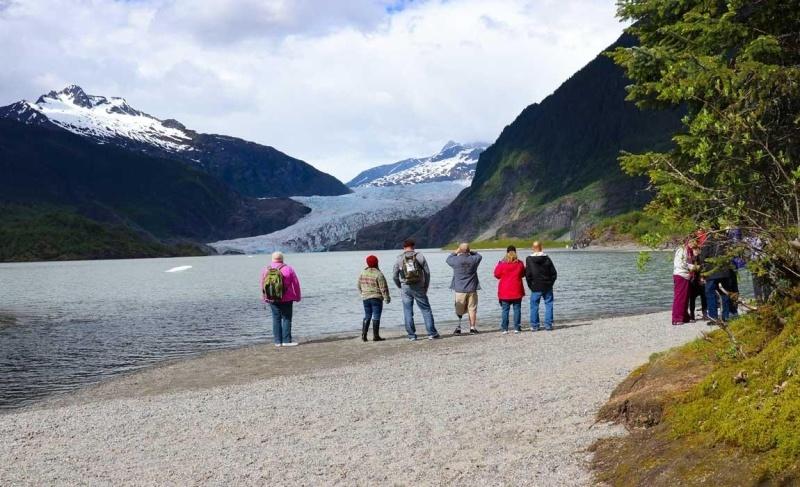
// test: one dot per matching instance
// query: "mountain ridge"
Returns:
(155, 200)
(250, 168)
(454, 162)
(555, 168)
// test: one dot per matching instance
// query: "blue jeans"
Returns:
(281, 322)
(505, 306)
(373, 307)
(411, 294)
(537, 296)
(711, 298)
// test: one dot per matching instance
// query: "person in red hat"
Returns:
(374, 292)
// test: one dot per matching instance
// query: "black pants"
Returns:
(761, 289)
(696, 289)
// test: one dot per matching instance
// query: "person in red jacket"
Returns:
(510, 271)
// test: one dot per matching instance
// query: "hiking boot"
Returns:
(364, 329)
(376, 328)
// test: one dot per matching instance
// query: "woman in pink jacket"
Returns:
(280, 296)
(510, 291)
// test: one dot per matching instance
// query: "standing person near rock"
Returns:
(681, 280)
(510, 271)
(280, 288)
(696, 281)
(465, 285)
(374, 292)
(717, 270)
(412, 275)
(541, 275)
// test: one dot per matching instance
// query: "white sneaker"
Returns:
(505, 332)
(516, 332)
(278, 345)
(291, 344)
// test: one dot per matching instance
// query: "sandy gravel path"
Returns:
(474, 410)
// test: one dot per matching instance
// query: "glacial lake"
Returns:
(64, 325)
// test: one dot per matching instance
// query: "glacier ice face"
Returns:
(336, 218)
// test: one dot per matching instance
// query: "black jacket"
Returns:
(540, 273)
(714, 249)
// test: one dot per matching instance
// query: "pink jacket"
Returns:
(291, 285)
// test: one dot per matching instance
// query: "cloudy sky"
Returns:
(342, 84)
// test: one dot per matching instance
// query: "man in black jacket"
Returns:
(717, 271)
(540, 274)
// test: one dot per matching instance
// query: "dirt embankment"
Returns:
(701, 414)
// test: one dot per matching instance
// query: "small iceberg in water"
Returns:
(180, 268)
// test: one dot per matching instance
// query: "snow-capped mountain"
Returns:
(101, 118)
(336, 218)
(455, 162)
(250, 168)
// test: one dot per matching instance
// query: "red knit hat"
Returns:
(372, 261)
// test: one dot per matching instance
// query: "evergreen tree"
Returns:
(735, 66)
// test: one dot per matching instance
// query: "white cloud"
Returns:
(344, 85)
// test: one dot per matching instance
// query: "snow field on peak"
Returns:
(110, 118)
(459, 166)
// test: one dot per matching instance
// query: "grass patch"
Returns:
(700, 415)
(634, 226)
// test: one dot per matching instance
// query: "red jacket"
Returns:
(510, 275)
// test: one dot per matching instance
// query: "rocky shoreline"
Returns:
(487, 409)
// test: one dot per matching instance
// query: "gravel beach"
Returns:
(489, 409)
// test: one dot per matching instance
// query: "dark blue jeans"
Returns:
(516, 304)
(410, 295)
(711, 297)
(373, 307)
(281, 322)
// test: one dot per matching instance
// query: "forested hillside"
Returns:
(556, 166)
(126, 193)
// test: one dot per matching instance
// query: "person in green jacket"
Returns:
(374, 292)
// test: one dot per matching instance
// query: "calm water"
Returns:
(68, 324)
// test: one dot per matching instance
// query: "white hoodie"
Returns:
(681, 264)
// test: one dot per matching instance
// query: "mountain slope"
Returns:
(555, 167)
(158, 198)
(455, 162)
(252, 169)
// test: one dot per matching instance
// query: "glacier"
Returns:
(336, 218)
